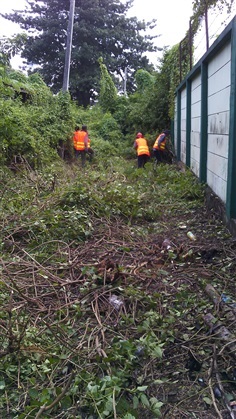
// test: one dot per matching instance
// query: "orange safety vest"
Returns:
(162, 145)
(142, 147)
(89, 142)
(78, 140)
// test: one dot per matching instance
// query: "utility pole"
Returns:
(68, 47)
(206, 25)
(125, 81)
(190, 45)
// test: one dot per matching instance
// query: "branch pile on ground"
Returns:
(110, 283)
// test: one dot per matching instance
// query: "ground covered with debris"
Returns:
(117, 296)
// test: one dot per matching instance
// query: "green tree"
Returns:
(201, 8)
(162, 97)
(101, 29)
(151, 107)
(9, 47)
(108, 91)
(139, 112)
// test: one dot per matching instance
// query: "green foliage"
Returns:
(201, 6)
(138, 113)
(66, 351)
(103, 149)
(108, 92)
(109, 130)
(32, 120)
(121, 112)
(4, 61)
(100, 30)
(144, 80)
(166, 83)
(61, 336)
(151, 107)
(9, 47)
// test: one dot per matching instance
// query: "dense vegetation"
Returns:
(101, 29)
(102, 293)
(38, 125)
(104, 310)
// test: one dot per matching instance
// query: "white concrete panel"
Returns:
(195, 167)
(218, 165)
(196, 82)
(183, 157)
(218, 123)
(183, 113)
(195, 139)
(218, 144)
(196, 94)
(219, 102)
(219, 86)
(175, 125)
(183, 144)
(183, 125)
(183, 135)
(175, 144)
(220, 59)
(183, 95)
(183, 147)
(196, 109)
(217, 185)
(220, 80)
(175, 139)
(196, 124)
(195, 153)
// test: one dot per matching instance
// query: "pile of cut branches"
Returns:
(108, 308)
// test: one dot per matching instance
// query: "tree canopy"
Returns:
(101, 29)
(200, 8)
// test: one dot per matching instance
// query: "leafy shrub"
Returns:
(103, 149)
(108, 129)
(32, 128)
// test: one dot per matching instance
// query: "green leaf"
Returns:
(185, 336)
(66, 402)
(142, 388)
(157, 352)
(207, 400)
(33, 393)
(144, 400)
(2, 385)
(135, 402)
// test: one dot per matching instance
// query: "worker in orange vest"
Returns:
(141, 146)
(80, 142)
(159, 147)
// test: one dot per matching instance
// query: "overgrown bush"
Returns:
(32, 120)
